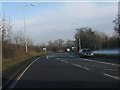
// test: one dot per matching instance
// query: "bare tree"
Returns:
(5, 28)
(60, 42)
(18, 38)
(69, 43)
(117, 24)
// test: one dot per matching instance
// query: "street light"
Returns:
(26, 48)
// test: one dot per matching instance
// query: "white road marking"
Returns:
(65, 61)
(27, 69)
(101, 62)
(74, 64)
(57, 58)
(86, 68)
(19, 77)
(109, 63)
(51, 56)
(89, 60)
(62, 60)
(112, 76)
(80, 66)
(89, 69)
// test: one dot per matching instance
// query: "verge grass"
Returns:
(11, 65)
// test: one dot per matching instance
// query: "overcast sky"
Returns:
(53, 20)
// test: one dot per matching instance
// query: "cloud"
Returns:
(59, 22)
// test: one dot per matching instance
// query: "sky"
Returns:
(53, 20)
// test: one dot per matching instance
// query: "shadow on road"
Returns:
(64, 84)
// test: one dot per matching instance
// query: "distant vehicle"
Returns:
(68, 50)
(86, 53)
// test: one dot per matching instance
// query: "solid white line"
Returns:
(27, 69)
(112, 76)
(19, 77)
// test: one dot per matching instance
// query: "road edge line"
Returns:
(21, 74)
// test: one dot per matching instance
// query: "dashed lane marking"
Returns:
(80, 66)
(64, 61)
(74, 64)
(112, 76)
(101, 62)
(57, 58)
(115, 77)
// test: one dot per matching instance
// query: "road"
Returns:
(67, 70)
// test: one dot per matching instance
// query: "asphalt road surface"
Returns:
(67, 70)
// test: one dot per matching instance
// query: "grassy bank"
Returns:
(11, 66)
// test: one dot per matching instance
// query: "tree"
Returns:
(86, 36)
(18, 38)
(60, 42)
(5, 28)
(69, 43)
(94, 39)
(117, 21)
(117, 24)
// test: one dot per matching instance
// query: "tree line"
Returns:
(94, 39)
(13, 43)
(60, 45)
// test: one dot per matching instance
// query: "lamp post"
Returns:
(26, 48)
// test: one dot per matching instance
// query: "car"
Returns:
(68, 50)
(86, 53)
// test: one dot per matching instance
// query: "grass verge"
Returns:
(11, 66)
